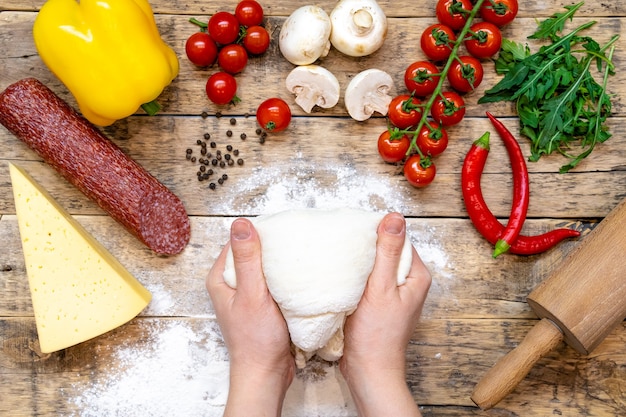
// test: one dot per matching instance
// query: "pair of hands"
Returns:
(376, 334)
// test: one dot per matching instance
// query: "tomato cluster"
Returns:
(418, 119)
(228, 39)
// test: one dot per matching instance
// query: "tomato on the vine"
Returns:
(453, 13)
(223, 28)
(485, 40)
(393, 147)
(465, 73)
(437, 42)
(404, 111)
(499, 12)
(432, 139)
(419, 172)
(201, 49)
(273, 114)
(221, 88)
(449, 109)
(256, 40)
(233, 58)
(249, 13)
(421, 78)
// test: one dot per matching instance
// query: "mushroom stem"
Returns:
(378, 101)
(363, 21)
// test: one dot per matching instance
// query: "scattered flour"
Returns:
(183, 371)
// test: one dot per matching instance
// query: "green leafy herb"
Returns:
(559, 102)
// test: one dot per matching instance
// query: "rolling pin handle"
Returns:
(510, 370)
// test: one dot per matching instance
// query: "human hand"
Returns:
(378, 332)
(254, 330)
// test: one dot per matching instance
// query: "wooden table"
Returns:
(171, 361)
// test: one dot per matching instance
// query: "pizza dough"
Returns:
(316, 263)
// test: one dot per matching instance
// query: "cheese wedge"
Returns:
(79, 290)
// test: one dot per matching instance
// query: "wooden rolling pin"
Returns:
(581, 302)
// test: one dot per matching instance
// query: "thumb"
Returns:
(246, 248)
(389, 245)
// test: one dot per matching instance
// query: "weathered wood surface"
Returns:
(476, 310)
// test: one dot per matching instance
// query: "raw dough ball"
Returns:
(316, 263)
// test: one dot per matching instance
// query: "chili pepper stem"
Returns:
(500, 247)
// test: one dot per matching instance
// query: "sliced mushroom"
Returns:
(313, 86)
(359, 27)
(304, 37)
(368, 92)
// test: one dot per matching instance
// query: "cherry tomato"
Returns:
(201, 49)
(499, 12)
(232, 58)
(437, 42)
(420, 78)
(223, 28)
(221, 88)
(273, 115)
(485, 40)
(432, 139)
(256, 40)
(404, 111)
(449, 109)
(419, 172)
(393, 149)
(465, 74)
(249, 13)
(453, 13)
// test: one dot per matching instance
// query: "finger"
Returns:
(418, 281)
(391, 237)
(215, 279)
(246, 247)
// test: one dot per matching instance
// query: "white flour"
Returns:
(181, 369)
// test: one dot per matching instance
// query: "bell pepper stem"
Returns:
(151, 107)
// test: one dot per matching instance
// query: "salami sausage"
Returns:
(95, 165)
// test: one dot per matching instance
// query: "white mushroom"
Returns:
(359, 27)
(368, 92)
(304, 37)
(313, 85)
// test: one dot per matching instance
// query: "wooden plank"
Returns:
(392, 8)
(446, 358)
(463, 286)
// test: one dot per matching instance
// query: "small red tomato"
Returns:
(273, 115)
(393, 149)
(432, 139)
(437, 42)
(465, 74)
(249, 13)
(201, 49)
(421, 78)
(221, 88)
(232, 58)
(223, 28)
(256, 40)
(453, 13)
(404, 111)
(499, 12)
(449, 109)
(485, 40)
(419, 172)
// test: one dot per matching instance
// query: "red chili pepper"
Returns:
(484, 220)
(521, 188)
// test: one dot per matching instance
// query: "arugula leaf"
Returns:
(549, 27)
(560, 105)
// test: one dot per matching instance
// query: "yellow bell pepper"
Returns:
(108, 53)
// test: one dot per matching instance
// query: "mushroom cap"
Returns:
(359, 27)
(304, 36)
(368, 92)
(313, 85)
